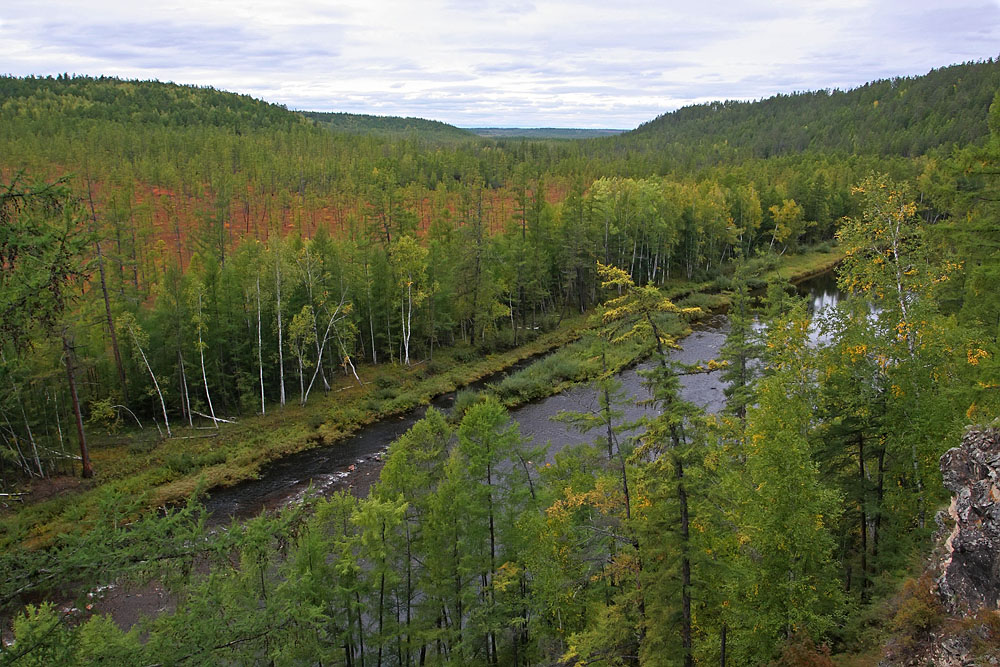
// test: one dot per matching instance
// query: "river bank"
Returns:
(174, 469)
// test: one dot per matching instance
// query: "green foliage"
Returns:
(390, 126)
(244, 247)
(900, 116)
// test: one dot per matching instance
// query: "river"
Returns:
(354, 464)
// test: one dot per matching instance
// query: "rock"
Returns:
(969, 579)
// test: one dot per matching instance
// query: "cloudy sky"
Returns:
(506, 63)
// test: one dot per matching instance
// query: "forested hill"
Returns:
(392, 126)
(177, 257)
(901, 116)
(155, 103)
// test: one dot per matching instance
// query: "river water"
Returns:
(354, 463)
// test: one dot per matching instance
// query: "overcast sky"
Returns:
(501, 63)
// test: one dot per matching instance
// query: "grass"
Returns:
(170, 471)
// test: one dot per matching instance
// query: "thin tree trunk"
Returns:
(23, 462)
(863, 519)
(371, 314)
(260, 351)
(204, 376)
(107, 302)
(156, 385)
(31, 439)
(281, 346)
(87, 471)
(184, 387)
(685, 567)
(302, 386)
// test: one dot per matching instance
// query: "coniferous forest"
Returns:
(195, 284)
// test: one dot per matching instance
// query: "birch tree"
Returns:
(409, 261)
(139, 338)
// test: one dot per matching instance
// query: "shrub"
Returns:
(465, 354)
(464, 400)
(919, 609)
(211, 458)
(801, 651)
(179, 462)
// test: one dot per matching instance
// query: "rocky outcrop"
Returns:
(969, 579)
(949, 616)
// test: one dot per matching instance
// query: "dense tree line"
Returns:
(771, 528)
(242, 257)
(907, 116)
(387, 125)
(736, 538)
(210, 328)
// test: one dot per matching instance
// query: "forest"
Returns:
(176, 260)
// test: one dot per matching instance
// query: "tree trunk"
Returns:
(204, 376)
(107, 302)
(156, 384)
(864, 518)
(260, 351)
(281, 347)
(87, 471)
(186, 406)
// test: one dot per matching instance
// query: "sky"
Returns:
(499, 63)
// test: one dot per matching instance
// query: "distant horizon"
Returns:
(403, 114)
(503, 63)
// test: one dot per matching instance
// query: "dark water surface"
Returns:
(354, 463)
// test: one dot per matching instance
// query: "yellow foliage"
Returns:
(975, 355)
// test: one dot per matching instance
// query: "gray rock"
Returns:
(970, 569)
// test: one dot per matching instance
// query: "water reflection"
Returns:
(822, 296)
(821, 291)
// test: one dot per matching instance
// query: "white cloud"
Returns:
(500, 62)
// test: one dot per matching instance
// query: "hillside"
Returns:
(390, 126)
(906, 116)
(196, 284)
(152, 103)
(191, 167)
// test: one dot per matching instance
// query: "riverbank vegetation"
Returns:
(237, 260)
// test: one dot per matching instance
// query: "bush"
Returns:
(801, 651)
(465, 353)
(137, 446)
(919, 609)
(537, 380)
(384, 382)
(721, 284)
(211, 458)
(384, 394)
(762, 264)
(179, 462)
(465, 399)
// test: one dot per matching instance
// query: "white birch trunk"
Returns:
(281, 351)
(184, 386)
(156, 385)
(260, 351)
(204, 376)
